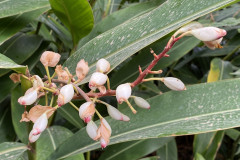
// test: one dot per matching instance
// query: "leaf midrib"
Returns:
(154, 126)
(13, 149)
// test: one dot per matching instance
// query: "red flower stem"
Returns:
(143, 74)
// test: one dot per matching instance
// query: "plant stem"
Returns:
(153, 79)
(108, 84)
(99, 115)
(48, 89)
(72, 104)
(48, 75)
(88, 155)
(52, 99)
(82, 93)
(131, 107)
(108, 7)
(38, 28)
(46, 99)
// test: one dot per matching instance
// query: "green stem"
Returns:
(52, 99)
(73, 105)
(48, 89)
(108, 84)
(48, 75)
(46, 99)
(131, 107)
(153, 79)
(234, 148)
(88, 155)
(99, 115)
(38, 28)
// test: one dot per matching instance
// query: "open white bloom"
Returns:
(97, 79)
(32, 138)
(66, 94)
(174, 83)
(103, 65)
(92, 130)
(86, 111)
(116, 114)
(208, 33)
(40, 124)
(123, 92)
(140, 102)
(29, 97)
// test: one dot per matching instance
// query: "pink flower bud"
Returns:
(123, 92)
(37, 82)
(86, 111)
(82, 69)
(66, 94)
(104, 133)
(40, 124)
(208, 33)
(97, 79)
(92, 129)
(32, 138)
(142, 103)
(174, 83)
(116, 114)
(50, 59)
(103, 65)
(62, 74)
(29, 97)
(213, 44)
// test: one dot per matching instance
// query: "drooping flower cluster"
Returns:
(65, 87)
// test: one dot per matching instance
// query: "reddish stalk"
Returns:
(148, 70)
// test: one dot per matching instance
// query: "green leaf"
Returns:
(7, 63)
(192, 111)
(168, 151)
(6, 128)
(6, 86)
(11, 150)
(76, 15)
(17, 50)
(119, 43)
(199, 157)
(134, 149)
(11, 25)
(119, 17)
(207, 144)
(14, 7)
(50, 139)
(21, 128)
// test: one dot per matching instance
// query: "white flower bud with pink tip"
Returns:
(140, 102)
(103, 133)
(37, 82)
(29, 97)
(208, 33)
(213, 44)
(40, 124)
(49, 58)
(82, 69)
(66, 94)
(174, 83)
(86, 111)
(116, 114)
(32, 138)
(103, 65)
(123, 92)
(92, 130)
(97, 79)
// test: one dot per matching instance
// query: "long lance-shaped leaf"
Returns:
(121, 42)
(7, 63)
(201, 108)
(11, 150)
(14, 7)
